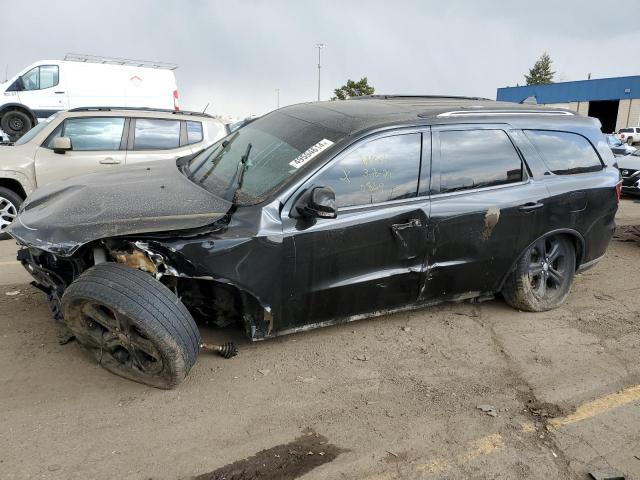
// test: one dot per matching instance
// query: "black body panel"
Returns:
(371, 259)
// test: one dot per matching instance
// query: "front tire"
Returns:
(10, 203)
(543, 275)
(16, 123)
(133, 325)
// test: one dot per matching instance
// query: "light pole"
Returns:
(277, 98)
(319, 46)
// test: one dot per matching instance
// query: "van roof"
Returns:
(349, 116)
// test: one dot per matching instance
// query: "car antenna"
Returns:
(205, 107)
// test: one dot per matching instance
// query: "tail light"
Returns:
(176, 106)
(618, 190)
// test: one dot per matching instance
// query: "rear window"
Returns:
(476, 159)
(626, 130)
(565, 153)
(194, 132)
(156, 134)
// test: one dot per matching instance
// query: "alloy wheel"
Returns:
(120, 342)
(8, 213)
(548, 272)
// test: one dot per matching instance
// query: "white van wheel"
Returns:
(16, 123)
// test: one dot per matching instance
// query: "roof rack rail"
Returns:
(81, 57)
(140, 109)
(417, 97)
(473, 113)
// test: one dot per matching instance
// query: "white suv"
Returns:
(86, 140)
(629, 135)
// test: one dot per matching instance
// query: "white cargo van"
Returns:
(48, 86)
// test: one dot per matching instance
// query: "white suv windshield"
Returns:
(27, 137)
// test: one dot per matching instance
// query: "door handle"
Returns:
(58, 93)
(531, 206)
(414, 222)
(109, 161)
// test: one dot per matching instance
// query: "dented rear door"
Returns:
(484, 201)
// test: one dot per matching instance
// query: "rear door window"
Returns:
(477, 158)
(194, 132)
(379, 170)
(156, 134)
(90, 133)
(565, 153)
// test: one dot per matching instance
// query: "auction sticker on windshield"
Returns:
(308, 154)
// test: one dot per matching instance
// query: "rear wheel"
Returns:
(10, 202)
(543, 275)
(629, 140)
(16, 123)
(134, 326)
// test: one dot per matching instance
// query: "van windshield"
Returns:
(27, 137)
(268, 149)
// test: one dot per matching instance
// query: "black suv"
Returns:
(322, 213)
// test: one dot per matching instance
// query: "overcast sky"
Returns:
(235, 54)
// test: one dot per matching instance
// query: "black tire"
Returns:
(629, 140)
(134, 326)
(534, 287)
(10, 202)
(16, 123)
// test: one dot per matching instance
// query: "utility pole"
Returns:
(277, 98)
(319, 46)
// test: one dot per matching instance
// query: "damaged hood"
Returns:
(151, 197)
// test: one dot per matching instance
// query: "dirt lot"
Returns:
(393, 397)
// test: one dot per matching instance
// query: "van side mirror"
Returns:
(16, 86)
(61, 145)
(318, 202)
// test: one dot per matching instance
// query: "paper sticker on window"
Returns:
(308, 154)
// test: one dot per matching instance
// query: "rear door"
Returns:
(157, 139)
(371, 256)
(483, 198)
(97, 143)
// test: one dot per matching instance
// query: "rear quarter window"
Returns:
(565, 153)
(194, 132)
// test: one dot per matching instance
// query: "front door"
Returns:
(43, 91)
(370, 257)
(97, 145)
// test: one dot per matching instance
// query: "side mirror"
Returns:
(318, 202)
(61, 145)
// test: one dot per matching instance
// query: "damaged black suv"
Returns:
(322, 213)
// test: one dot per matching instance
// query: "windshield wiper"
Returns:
(243, 168)
(225, 144)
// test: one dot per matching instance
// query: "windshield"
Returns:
(26, 138)
(613, 141)
(264, 149)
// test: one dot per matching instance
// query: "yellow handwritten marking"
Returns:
(483, 446)
(596, 407)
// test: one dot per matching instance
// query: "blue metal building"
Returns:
(615, 101)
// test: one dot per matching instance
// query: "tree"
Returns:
(353, 89)
(541, 72)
